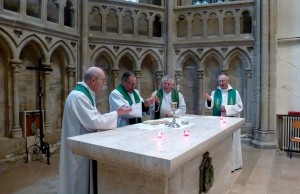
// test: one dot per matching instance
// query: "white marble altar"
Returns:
(133, 159)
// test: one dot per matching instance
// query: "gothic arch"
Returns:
(34, 41)
(7, 41)
(185, 56)
(69, 54)
(211, 53)
(154, 56)
(130, 54)
(107, 52)
(237, 52)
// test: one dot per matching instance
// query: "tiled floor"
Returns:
(264, 172)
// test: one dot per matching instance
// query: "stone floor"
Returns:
(264, 172)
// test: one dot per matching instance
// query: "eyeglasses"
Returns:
(221, 81)
(132, 84)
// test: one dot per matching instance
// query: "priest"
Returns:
(226, 101)
(78, 174)
(167, 94)
(126, 95)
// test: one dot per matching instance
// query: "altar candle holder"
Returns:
(186, 132)
(173, 123)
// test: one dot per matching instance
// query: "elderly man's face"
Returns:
(167, 85)
(223, 81)
(130, 84)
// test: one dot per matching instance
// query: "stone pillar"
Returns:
(85, 58)
(178, 75)
(169, 54)
(159, 75)
(200, 74)
(264, 136)
(115, 73)
(71, 72)
(47, 125)
(150, 27)
(138, 72)
(120, 23)
(16, 131)
(189, 28)
(248, 105)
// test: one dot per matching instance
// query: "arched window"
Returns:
(246, 23)
(12, 5)
(128, 23)
(197, 25)
(69, 14)
(228, 23)
(157, 26)
(181, 26)
(52, 11)
(112, 21)
(33, 8)
(95, 19)
(213, 25)
(143, 25)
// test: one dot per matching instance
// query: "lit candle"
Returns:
(159, 134)
(186, 132)
(221, 118)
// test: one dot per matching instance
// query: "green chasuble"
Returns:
(174, 98)
(218, 100)
(83, 89)
(122, 90)
(137, 99)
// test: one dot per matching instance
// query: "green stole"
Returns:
(83, 89)
(174, 98)
(218, 100)
(122, 90)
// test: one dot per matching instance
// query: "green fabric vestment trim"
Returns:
(83, 89)
(122, 90)
(174, 96)
(218, 100)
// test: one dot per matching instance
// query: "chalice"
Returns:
(173, 123)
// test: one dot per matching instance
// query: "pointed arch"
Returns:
(154, 56)
(130, 54)
(237, 52)
(105, 51)
(211, 53)
(36, 42)
(185, 56)
(69, 54)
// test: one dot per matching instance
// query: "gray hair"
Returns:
(126, 75)
(167, 78)
(90, 73)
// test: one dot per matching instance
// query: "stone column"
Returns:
(47, 125)
(248, 105)
(120, 23)
(264, 135)
(169, 54)
(138, 72)
(115, 73)
(85, 58)
(71, 72)
(200, 74)
(189, 28)
(159, 75)
(16, 131)
(178, 75)
(150, 27)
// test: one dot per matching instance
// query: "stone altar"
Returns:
(134, 159)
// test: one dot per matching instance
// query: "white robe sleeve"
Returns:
(234, 110)
(89, 116)
(181, 107)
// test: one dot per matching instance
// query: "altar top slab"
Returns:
(139, 146)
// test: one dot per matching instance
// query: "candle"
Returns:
(159, 134)
(221, 118)
(186, 132)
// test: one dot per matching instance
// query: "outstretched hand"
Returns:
(122, 110)
(151, 100)
(207, 96)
